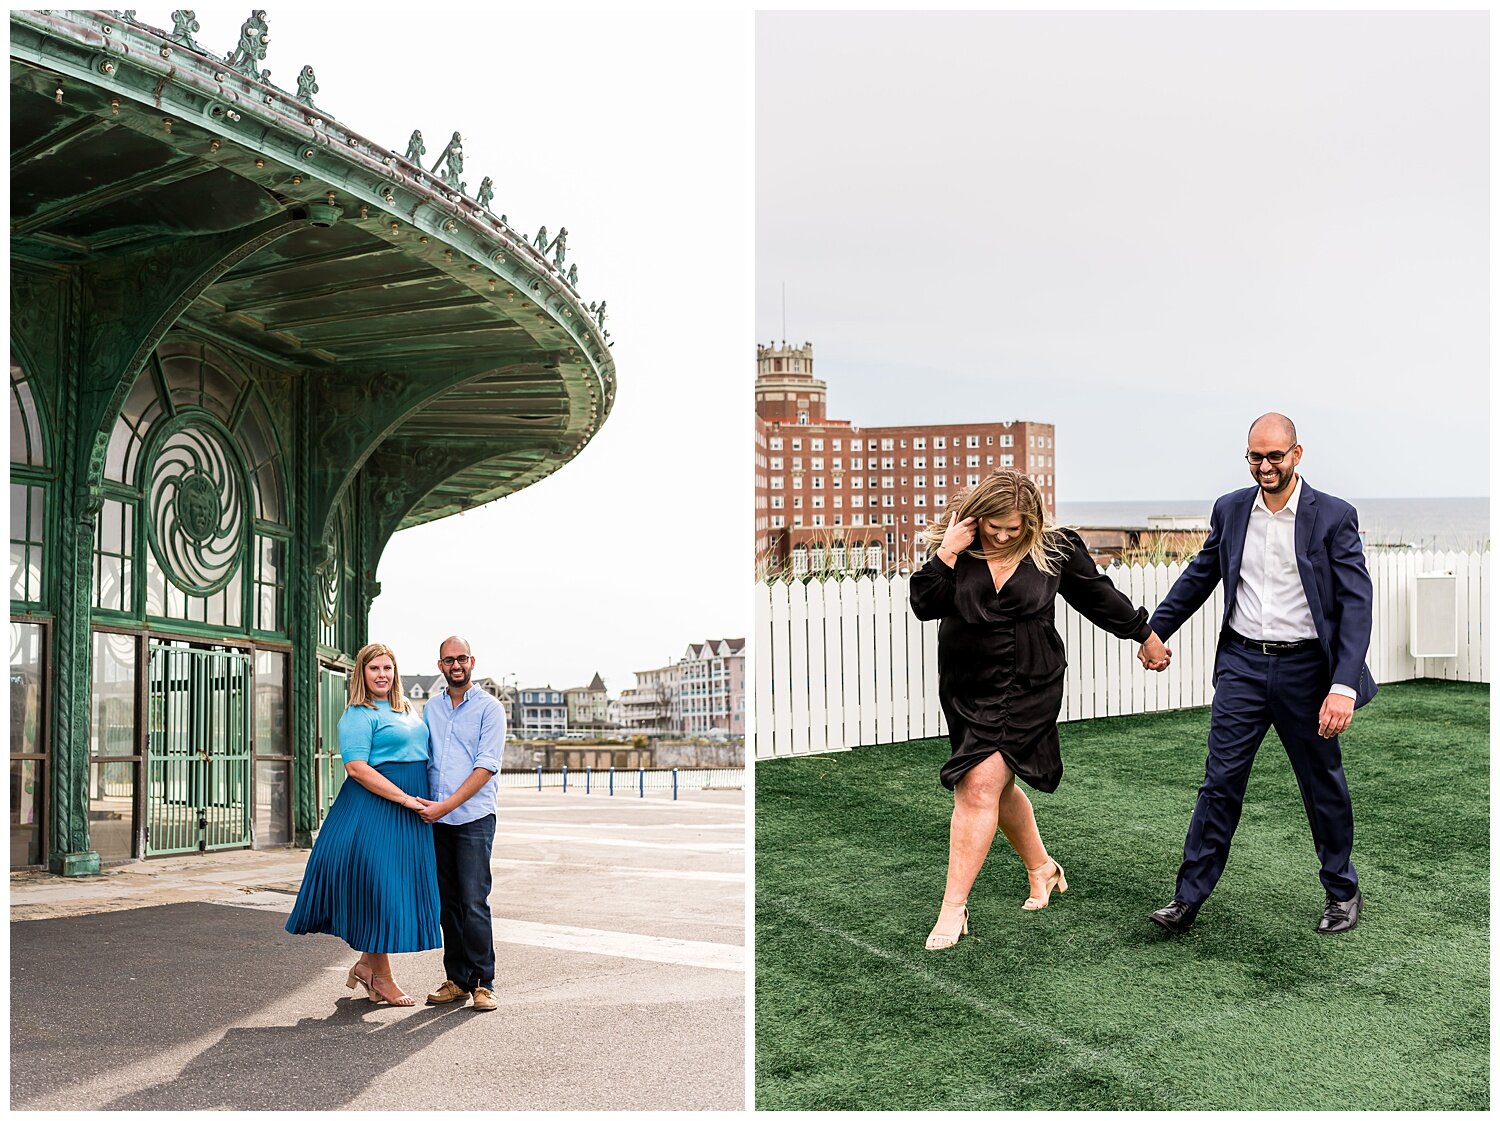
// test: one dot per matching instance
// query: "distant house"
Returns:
(542, 713)
(418, 689)
(588, 706)
(710, 698)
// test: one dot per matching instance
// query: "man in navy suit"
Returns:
(1296, 627)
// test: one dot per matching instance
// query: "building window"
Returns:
(817, 482)
(796, 502)
(971, 442)
(887, 444)
(27, 543)
(857, 501)
(776, 462)
(777, 502)
(777, 482)
(778, 521)
(1007, 461)
(920, 463)
(775, 443)
(817, 445)
(1007, 441)
(973, 480)
(817, 502)
(801, 416)
(940, 461)
(919, 500)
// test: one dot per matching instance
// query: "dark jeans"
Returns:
(1255, 692)
(463, 872)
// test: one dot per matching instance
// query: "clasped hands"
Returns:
(1154, 654)
(431, 812)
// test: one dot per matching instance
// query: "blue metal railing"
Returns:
(627, 781)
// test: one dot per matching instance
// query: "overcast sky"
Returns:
(1145, 228)
(634, 132)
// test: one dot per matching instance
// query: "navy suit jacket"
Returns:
(1330, 560)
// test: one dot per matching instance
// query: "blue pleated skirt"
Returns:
(371, 878)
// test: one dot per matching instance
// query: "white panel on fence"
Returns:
(1477, 618)
(833, 662)
(849, 672)
(781, 667)
(761, 710)
(884, 732)
(865, 666)
(797, 687)
(916, 681)
(817, 680)
(901, 723)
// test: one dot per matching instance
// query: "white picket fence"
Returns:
(844, 663)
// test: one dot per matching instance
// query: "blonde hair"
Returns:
(1004, 493)
(359, 692)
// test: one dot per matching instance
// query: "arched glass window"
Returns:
(195, 523)
(29, 473)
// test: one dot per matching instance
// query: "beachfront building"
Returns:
(833, 496)
(710, 697)
(541, 713)
(588, 706)
(248, 345)
(648, 709)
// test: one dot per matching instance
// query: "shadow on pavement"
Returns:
(106, 996)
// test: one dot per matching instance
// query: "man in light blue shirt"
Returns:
(466, 737)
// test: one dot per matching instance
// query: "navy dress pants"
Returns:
(1256, 691)
(463, 869)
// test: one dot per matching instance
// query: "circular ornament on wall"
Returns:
(196, 494)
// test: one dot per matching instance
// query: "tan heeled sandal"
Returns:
(402, 1001)
(354, 979)
(936, 941)
(1055, 882)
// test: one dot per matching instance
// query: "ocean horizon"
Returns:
(1431, 523)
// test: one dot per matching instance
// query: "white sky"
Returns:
(1146, 228)
(633, 130)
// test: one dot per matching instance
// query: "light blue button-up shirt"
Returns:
(460, 739)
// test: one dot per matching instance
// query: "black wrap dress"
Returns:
(1001, 660)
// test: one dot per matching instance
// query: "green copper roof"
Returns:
(488, 369)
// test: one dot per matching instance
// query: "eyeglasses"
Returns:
(1256, 458)
(460, 660)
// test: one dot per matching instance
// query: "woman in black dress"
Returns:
(993, 579)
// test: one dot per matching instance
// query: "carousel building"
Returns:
(247, 346)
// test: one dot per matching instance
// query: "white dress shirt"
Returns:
(1270, 604)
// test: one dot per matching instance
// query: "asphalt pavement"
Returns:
(620, 974)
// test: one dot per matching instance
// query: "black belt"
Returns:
(1271, 647)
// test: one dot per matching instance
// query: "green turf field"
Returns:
(1087, 1005)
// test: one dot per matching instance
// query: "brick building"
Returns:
(831, 495)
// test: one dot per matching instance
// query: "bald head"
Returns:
(1275, 427)
(454, 645)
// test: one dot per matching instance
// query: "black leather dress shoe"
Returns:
(1176, 916)
(1340, 915)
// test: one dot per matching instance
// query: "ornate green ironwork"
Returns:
(452, 161)
(196, 503)
(184, 23)
(415, 148)
(307, 85)
(486, 193)
(251, 49)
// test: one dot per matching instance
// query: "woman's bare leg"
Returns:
(1018, 823)
(976, 814)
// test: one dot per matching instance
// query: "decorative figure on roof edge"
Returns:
(254, 40)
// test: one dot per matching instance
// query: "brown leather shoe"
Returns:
(446, 993)
(484, 1000)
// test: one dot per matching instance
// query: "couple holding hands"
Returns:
(404, 853)
(1291, 655)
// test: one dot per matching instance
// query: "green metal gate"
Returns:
(333, 694)
(198, 750)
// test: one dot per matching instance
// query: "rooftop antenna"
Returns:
(783, 313)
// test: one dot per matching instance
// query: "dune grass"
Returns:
(1087, 1005)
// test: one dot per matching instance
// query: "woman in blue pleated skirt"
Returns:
(371, 878)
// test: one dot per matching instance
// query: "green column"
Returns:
(69, 847)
